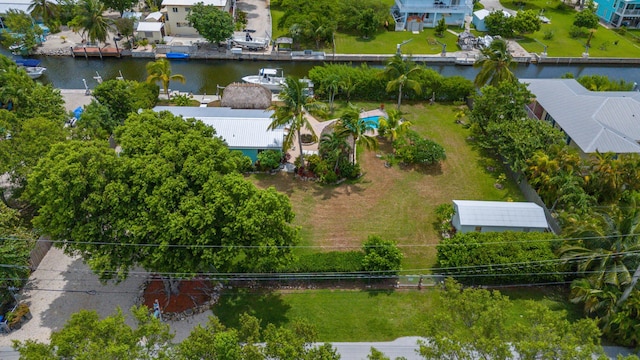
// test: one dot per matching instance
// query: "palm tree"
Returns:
(334, 145)
(393, 126)
(160, 70)
(611, 246)
(44, 9)
(402, 73)
(606, 181)
(91, 21)
(495, 66)
(332, 85)
(360, 129)
(347, 85)
(291, 113)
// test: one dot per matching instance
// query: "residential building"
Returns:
(6, 5)
(414, 15)
(152, 28)
(498, 216)
(246, 130)
(604, 121)
(619, 12)
(480, 15)
(175, 14)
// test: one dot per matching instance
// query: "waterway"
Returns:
(203, 76)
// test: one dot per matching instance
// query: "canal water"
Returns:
(203, 76)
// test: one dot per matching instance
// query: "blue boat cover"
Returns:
(78, 111)
(28, 62)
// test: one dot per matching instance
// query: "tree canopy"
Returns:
(212, 23)
(171, 201)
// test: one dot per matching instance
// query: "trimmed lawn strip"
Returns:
(353, 315)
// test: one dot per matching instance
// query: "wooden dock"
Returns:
(95, 51)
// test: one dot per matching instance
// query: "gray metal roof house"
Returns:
(242, 129)
(498, 216)
(593, 120)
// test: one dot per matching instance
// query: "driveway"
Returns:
(258, 16)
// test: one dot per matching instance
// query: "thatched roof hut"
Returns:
(246, 96)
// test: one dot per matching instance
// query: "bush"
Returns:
(578, 32)
(548, 34)
(413, 149)
(269, 160)
(381, 255)
(444, 214)
(475, 258)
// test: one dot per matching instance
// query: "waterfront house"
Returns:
(415, 15)
(619, 12)
(152, 28)
(175, 14)
(246, 130)
(604, 121)
(498, 216)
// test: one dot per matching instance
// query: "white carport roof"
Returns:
(149, 26)
(500, 213)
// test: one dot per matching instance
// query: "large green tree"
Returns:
(212, 23)
(495, 65)
(43, 9)
(90, 20)
(402, 73)
(174, 187)
(86, 336)
(160, 71)
(123, 97)
(120, 5)
(291, 113)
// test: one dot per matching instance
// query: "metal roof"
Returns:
(6, 5)
(595, 120)
(500, 213)
(149, 26)
(239, 128)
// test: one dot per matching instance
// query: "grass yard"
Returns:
(395, 203)
(350, 315)
(605, 42)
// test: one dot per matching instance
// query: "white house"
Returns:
(604, 121)
(175, 14)
(480, 15)
(242, 129)
(498, 216)
(414, 15)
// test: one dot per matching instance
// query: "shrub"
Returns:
(413, 149)
(548, 34)
(586, 18)
(269, 160)
(381, 255)
(444, 214)
(476, 258)
(578, 32)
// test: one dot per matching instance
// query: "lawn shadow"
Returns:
(378, 292)
(265, 305)
(347, 188)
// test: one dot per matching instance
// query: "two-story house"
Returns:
(175, 14)
(619, 12)
(414, 15)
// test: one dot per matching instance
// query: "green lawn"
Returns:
(605, 42)
(350, 315)
(395, 203)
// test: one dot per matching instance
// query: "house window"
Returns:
(187, 9)
(182, 24)
(478, 228)
(175, 10)
(148, 34)
(166, 17)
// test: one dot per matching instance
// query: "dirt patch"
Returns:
(193, 293)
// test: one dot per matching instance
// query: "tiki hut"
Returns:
(246, 96)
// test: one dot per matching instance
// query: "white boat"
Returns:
(34, 72)
(249, 42)
(272, 79)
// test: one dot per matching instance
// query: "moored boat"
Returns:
(176, 55)
(272, 79)
(34, 72)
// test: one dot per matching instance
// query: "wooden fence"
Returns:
(39, 251)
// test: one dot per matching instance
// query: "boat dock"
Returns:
(95, 51)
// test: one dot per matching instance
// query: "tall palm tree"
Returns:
(347, 85)
(160, 70)
(44, 9)
(360, 129)
(91, 21)
(332, 85)
(611, 245)
(291, 113)
(606, 180)
(495, 66)
(402, 73)
(334, 145)
(393, 126)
